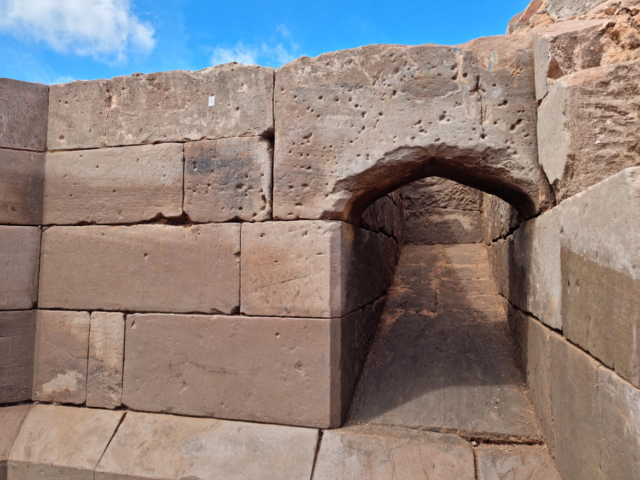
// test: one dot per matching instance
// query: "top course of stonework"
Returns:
(225, 101)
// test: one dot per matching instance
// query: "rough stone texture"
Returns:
(362, 453)
(165, 447)
(141, 268)
(19, 250)
(21, 183)
(23, 115)
(11, 419)
(442, 357)
(60, 362)
(620, 424)
(228, 179)
(356, 124)
(162, 107)
(270, 370)
(600, 264)
(106, 360)
(386, 215)
(576, 415)
(535, 283)
(17, 345)
(61, 442)
(587, 125)
(313, 268)
(499, 218)
(115, 185)
(566, 48)
(498, 253)
(515, 463)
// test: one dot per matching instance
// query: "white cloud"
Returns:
(104, 29)
(271, 54)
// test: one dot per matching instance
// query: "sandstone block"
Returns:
(17, 342)
(499, 218)
(576, 415)
(600, 265)
(114, 185)
(106, 360)
(586, 127)
(19, 250)
(157, 268)
(436, 192)
(11, 419)
(515, 463)
(313, 268)
(269, 370)
(499, 254)
(443, 226)
(361, 453)
(165, 447)
(561, 9)
(620, 424)
(386, 215)
(228, 179)
(23, 115)
(21, 183)
(61, 442)
(60, 364)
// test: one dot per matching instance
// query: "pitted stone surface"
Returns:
(61, 442)
(114, 185)
(157, 268)
(23, 115)
(363, 453)
(515, 463)
(60, 362)
(378, 117)
(228, 179)
(21, 183)
(19, 250)
(17, 345)
(386, 215)
(106, 360)
(165, 447)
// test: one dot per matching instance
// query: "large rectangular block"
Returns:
(515, 463)
(576, 411)
(21, 183)
(23, 115)
(60, 363)
(17, 346)
(114, 185)
(11, 419)
(228, 179)
(600, 265)
(587, 125)
(19, 250)
(386, 215)
(166, 447)
(499, 218)
(620, 424)
(145, 268)
(443, 226)
(270, 370)
(218, 102)
(106, 360)
(313, 268)
(61, 442)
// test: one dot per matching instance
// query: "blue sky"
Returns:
(55, 41)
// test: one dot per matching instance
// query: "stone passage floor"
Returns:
(443, 359)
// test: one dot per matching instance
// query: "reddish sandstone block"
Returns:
(19, 250)
(17, 343)
(23, 115)
(11, 419)
(21, 183)
(106, 360)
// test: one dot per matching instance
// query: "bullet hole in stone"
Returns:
(277, 335)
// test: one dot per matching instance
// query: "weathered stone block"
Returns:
(499, 258)
(157, 268)
(11, 419)
(386, 215)
(620, 424)
(19, 250)
(362, 453)
(60, 364)
(515, 463)
(313, 268)
(576, 412)
(228, 179)
(600, 264)
(61, 442)
(165, 447)
(23, 115)
(499, 218)
(587, 125)
(436, 192)
(106, 360)
(443, 226)
(17, 346)
(114, 185)
(271, 370)
(21, 183)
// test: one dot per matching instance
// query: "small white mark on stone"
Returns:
(212, 100)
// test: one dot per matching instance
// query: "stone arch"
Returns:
(354, 125)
